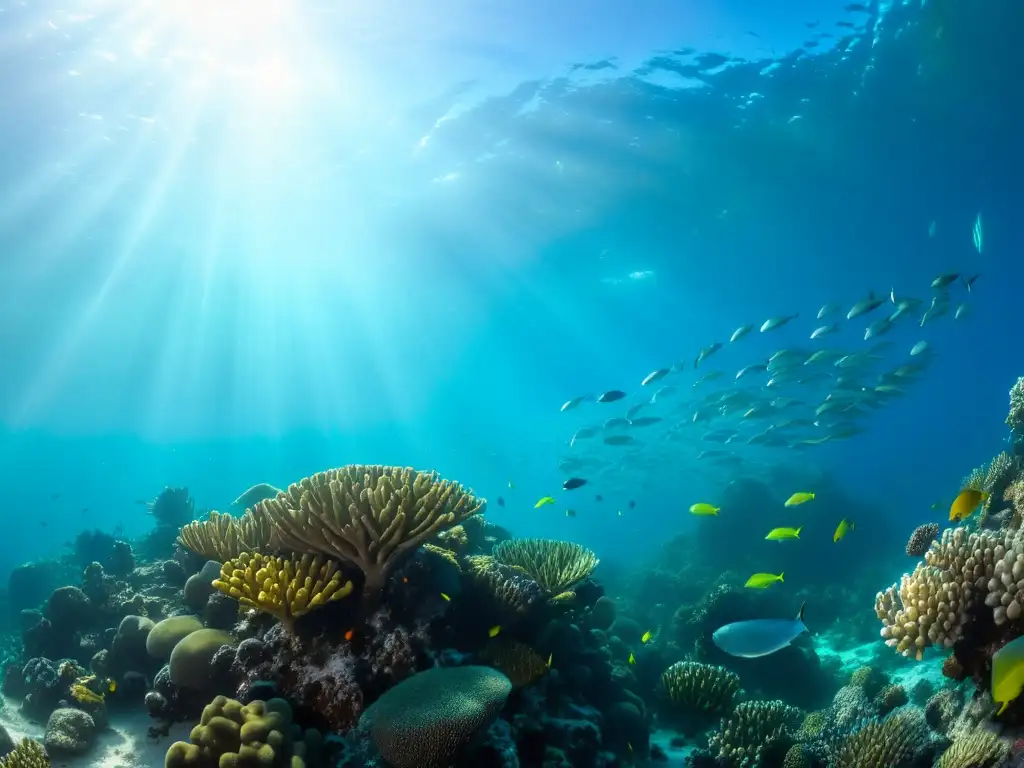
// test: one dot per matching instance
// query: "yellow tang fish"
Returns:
(1008, 673)
(493, 631)
(111, 686)
(799, 498)
(632, 658)
(781, 534)
(551, 657)
(844, 527)
(704, 509)
(544, 501)
(763, 580)
(966, 503)
(646, 637)
(446, 597)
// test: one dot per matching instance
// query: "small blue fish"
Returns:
(759, 637)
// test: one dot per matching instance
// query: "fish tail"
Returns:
(800, 613)
(782, 579)
(798, 531)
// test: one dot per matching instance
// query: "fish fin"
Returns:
(800, 614)
(798, 531)
(1002, 708)
(780, 577)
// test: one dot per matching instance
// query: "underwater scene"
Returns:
(511, 385)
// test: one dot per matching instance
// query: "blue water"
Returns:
(248, 251)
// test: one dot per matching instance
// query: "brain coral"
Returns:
(190, 659)
(166, 634)
(426, 719)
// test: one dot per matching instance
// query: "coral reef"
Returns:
(27, 754)
(754, 731)
(894, 741)
(555, 565)
(695, 688)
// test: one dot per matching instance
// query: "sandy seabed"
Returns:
(122, 744)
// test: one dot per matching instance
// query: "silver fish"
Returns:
(710, 376)
(877, 328)
(939, 307)
(862, 307)
(945, 280)
(824, 330)
(903, 306)
(919, 348)
(570, 404)
(827, 310)
(654, 376)
(706, 352)
(662, 393)
(619, 440)
(582, 434)
(777, 322)
(755, 368)
(962, 311)
(616, 422)
(645, 421)
(740, 332)
(759, 637)
(634, 410)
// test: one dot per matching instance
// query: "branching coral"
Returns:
(921, 539)
(992, 478)
(702, 688)
(554, 564)
(221, 537)
(752, 729)
(27, 754)
(929, 606)
(368, 515)
(889, 743)
(283, 588)
(976, 749)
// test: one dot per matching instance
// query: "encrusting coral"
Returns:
(367, 515)
(753, 728)
(27, 754)
(283, 588)
(701, 688)
(555, 565)
(976, 749)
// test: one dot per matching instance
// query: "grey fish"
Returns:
(759, 637)
(616, 422)
(943, 281)
(665, 391)
(568, 405)
(654, 376)
(256, 494)
(710, 376)
(827, 310)
(634, 410)
(755, 368)
(877, 328)
(919, 348)
(707, 352)
(777, 322)
(862, 307)
(619, 440)
(645, 421)
(740, 332)
(611, 396)
(824, 330)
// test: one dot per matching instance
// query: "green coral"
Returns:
(257, 735)
(977, 749)
(797, 757)
(889, 698)
(888, 743)
(754, 734)
(555, 565)
(870, 680)
(425, 720)
(701, 688)
(282, 587)
(812, 726)
(27, 754)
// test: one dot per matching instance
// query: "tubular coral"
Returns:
(283, 588)
(929, 606)
(368, 515)
(556, 565)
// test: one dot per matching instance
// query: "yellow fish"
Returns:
(551, 657)
(966, 503)
(445, 596)
(632, 658)
(781, 534)
(493, 631)
(1008, 673)
(799, 498)
(646, 637)
(763, 580)
(544, 502)
(111, 686)
(704, 509)
(844, 527)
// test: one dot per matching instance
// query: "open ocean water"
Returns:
(569, 256)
